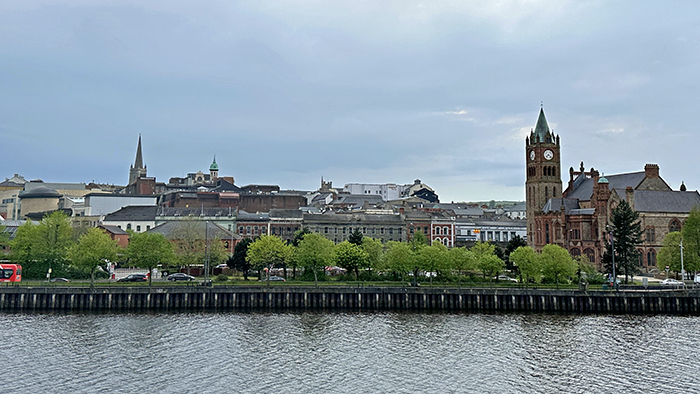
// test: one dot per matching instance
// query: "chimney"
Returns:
(651, 170)
(629, 193)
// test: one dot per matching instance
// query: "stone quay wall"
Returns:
(282, 298)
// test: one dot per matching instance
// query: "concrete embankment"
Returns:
(236, 298)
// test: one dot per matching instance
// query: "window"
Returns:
(651, 257)
(675, 225)
(650, 234)
(391, 231)
(325, 230)
(128, 226)
(546, 192)
(138, 228)
(148, 228)
(498, 236)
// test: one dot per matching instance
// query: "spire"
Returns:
(542, 128)
(139, 157)
(214, 166)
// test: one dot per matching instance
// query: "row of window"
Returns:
(497, 236)
(363, 230)
(138, 227)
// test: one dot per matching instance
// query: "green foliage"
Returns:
(314, 253)
(351, 257)
(462, 259)
(299, 235)
(419, 240)
(433, 259)
(557, 264)
(93, 249)
(147, 250)
(268, 251)
(374, 249)
(355, 237)
(626, 231)
(486, 260)
(38, 247)
(4, 237)
(399, 258)
(691, 241)
(512, 245)
(222, 278)
(670, 254)
(189, 239)
(528, 262)
(238, 259)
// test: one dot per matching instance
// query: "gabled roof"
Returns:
(667, 201)
(555, 204)
(584, 190)
(133, 213)
(113, 229)
(202, 229)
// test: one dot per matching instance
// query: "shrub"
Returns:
(221, 278)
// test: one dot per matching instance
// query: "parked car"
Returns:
(180, 276)
(59, 280)
(275, 279)
(506, 278)
(134, 278)
(672, 282)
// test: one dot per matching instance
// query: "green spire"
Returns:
(542, 128)
(214, 166)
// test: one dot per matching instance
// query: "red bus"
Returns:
(10, 272)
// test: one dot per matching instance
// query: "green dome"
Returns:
(603, 179)
(214, 166)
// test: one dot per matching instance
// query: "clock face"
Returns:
(548, 154)
(532, 155)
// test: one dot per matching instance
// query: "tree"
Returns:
(238, 259)
(147, 250)
(399, 258)
(314, 253)
(374, 249)
(351, 257)
(691, 241)
(528, 263)
(626, 233)
(670, 254)
(513, 244)
(486, 260)
(268, 251)
(299, 235)
(461, 259)
(43, 246)
(94, 248)
(189, 237)
(557, 263)
(355, 237)
(433, 259)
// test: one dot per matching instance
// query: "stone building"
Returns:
(577, 219)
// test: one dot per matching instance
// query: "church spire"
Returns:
(542, 128)
(138, 163)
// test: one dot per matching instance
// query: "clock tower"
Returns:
(543, 171)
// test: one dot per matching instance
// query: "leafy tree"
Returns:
(557, 263)
(43, 246)
(94, 248)
(626, 232)
(399, 258)
(486, 260)
(461, 259)
(299, 235)
(351, 257)
(528, 263)
(147, 250)
(268, 251)
(513, 244)
(374, 249)
(217, 252)
(419, 240)
(314, 253)
(433, 259)
(238, 259)
(355, 237)
(189, 237)
(691, 241)
(670, 254)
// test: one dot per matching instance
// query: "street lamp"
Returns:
(682, 270)
(612, 250)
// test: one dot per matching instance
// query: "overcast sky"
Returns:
(287, 92)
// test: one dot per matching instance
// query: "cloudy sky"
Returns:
(287, 92)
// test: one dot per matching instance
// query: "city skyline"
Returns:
(286, 93)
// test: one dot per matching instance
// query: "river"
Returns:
(348, 353)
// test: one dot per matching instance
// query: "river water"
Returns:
(348, 353)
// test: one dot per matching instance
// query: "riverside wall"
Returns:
(237, 298)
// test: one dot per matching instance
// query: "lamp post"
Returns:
(682, 270)
(612, 250)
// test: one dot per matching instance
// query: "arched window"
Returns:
(554, 192)
(128, 226)
(546, 233)
(590, 253)
(675, 225)
(651, 257)
(575, 252)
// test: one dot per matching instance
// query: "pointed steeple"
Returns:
(542, 128)
(138, 163)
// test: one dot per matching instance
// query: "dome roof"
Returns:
(214, 166)
(603, 179)
(40, 192)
